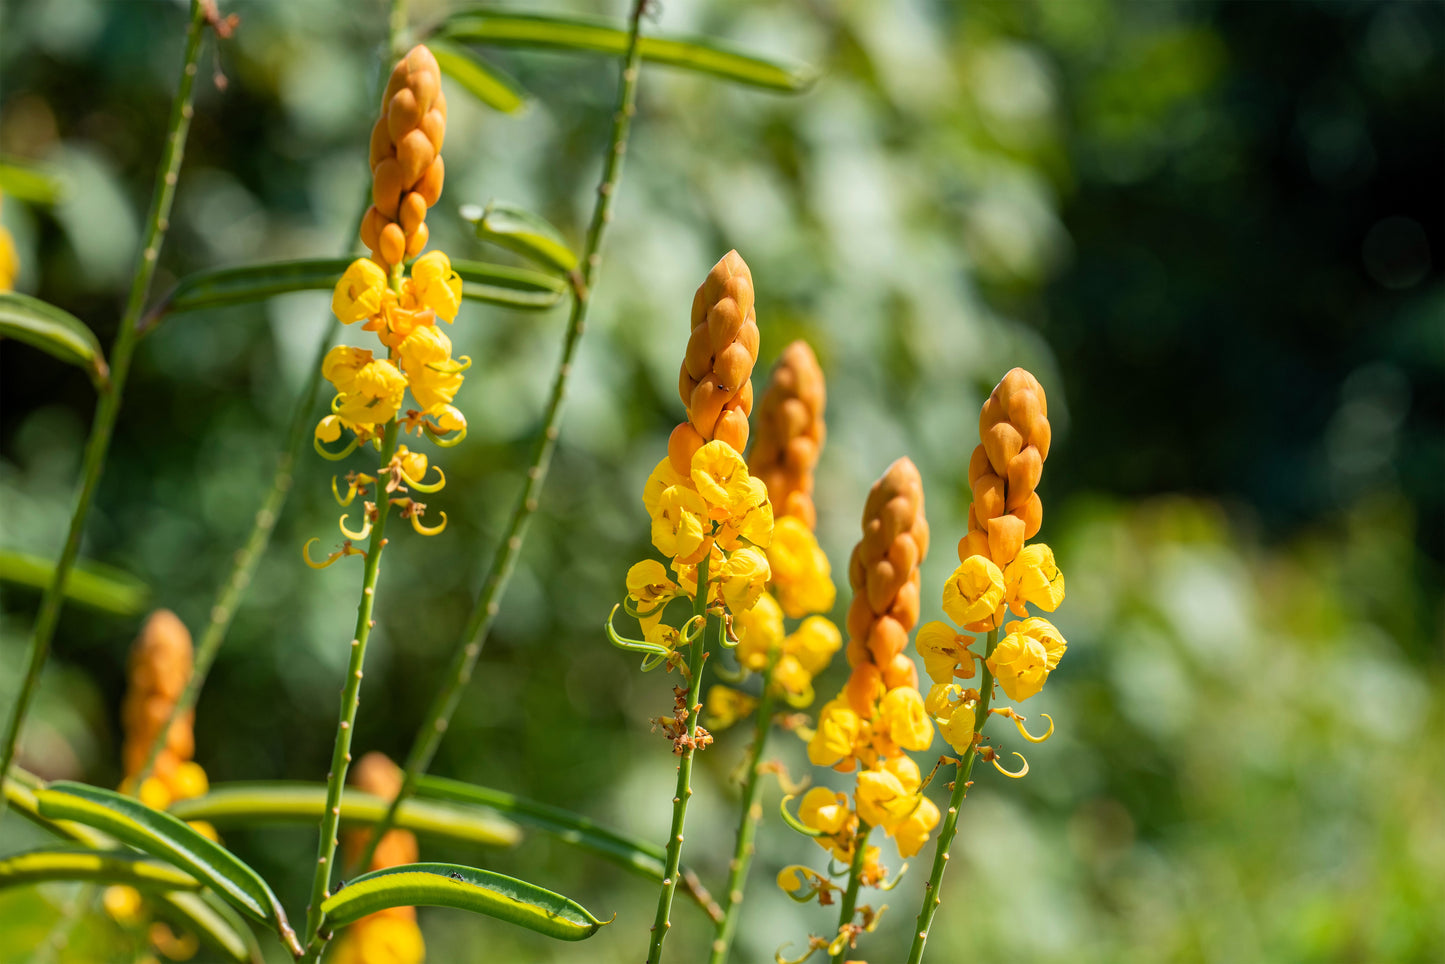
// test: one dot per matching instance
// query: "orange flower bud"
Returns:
(791, 432)
(160, 666)
(405, 153)
(1005, 470)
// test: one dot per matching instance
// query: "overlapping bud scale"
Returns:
(406, 163)
(1005, 468)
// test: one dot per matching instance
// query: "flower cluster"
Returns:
(389, 936)
(406, 163)
(879, 714)
(998, 572)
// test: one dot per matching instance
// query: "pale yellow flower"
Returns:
(902, 719)
(760, 633)
(678, 526)
(360, 293)
(724, 706)
(974, 591)
(813, 643)
(912, 832)
(839, 731)
(1033, 577)
(944, 651)
(433, 285)
(802, 576)
(426, 357)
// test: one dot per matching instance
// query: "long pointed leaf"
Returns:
(631, 853)
(465, 888)
(491, 283)
(599, 36)
(26, 182)
(162, 835)
(117, 867)
(90, 584)
(517, 229)
(44, 326)
(483, 81)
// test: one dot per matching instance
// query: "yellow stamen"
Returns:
(445, 441)
(425, 487)
(334, 456)
(306, 554)
(428, 530)
(1015, 775)
(358, 536)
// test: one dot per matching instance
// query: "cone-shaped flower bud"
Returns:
(160, 665)
(1005, 469)
(791, 432)
(406, 163)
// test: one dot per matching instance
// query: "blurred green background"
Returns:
(1214, 232)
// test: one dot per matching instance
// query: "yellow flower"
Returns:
(760, 633)
(1033, 577)
(426, 357)
(414, 464)
(795, 682)
(955, 715)
(155, 794)
(902, 719)
(375, 398)
(677, 526)
(743, 577)
(648, 585)
(802, 577)
(341, 365)
(662, 478)
(188, 781)
(380, 939)
(944, 652)
(395, 323)
(814, 643)
(754, 523)
(434, 285)
(824, 809)
(449, 420)
(123, 904)
(974, 591)
(882, 798)
(1022, 660)
(722, 478)
(839, 731)
(361, 291)
(724, 706)
(912, 832)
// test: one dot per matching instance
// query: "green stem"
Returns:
(752, 812)
(488, 604)
(850, 896)
(341, 753)
(108, 405)
(695, 660)
(932, 897)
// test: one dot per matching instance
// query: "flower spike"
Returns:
(1014, 774)
(1018, 721)
(428, 530)
(358, 536)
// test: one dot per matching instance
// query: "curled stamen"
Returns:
(459, 364)
(813, 948)
(801, 882)
(1017, 775)
(334, 456)
(691, 628)
(1019, 722)
(870, 916)
(358, 536)
(890, 884)
(797, 824)
(799, 700)
(350, 493)
(445, 441)
(347, 550)
(428, 530)
(634, 645)
(425, 487)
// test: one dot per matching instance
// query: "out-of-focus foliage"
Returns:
(1211, 229)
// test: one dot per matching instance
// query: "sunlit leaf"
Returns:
(116, 867)
(26, 182)
(44, 326)
(162, 835)
(248, 804)
(516, 229)
(478, 78)
(465, 888)
(487, 26)
(90, 584)
(492, 283)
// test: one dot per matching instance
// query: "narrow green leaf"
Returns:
(162, 835)
(485, 26)
(214, 922)
(247, 804)
(631, 853)
(26, 182)
(491, 283)
(116, 867)
(90, 584)
(52, 330)
(478, 78)
(519, 230)
(465, 888)
(20, 790)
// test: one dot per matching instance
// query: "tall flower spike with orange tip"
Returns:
(1005, 469)
(390, 935)
(406, 163)
(715, 382)
(791, 432)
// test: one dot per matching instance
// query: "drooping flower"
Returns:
(433, 285)
(678, 525)
(902, 719)
(743, 578)
(360, 293)
(1033, 577)
(760, 633)
(426, 357)
(724, 706)
(945, 653)
(802, 576)
(974, 591)
(839, 730)
(1022, 660)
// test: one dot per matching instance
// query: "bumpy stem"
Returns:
(661, 923)
(108, 405)
(341, 753)
(752, 812)
(488, 604)
(931, 895)
(850, 896)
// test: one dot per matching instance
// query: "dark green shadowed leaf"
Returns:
(478, 78)
(248, 804)
(465, 888)
(118, 867)
(162, 835)
(491, 283)
(483, 26)
(518, 230)
(26, 182)
(52, 330)
(90, 584)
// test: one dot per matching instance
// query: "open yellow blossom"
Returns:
(902, 719)
(677, 526)
(360, 293)
(1033, 577)
(824, 809)
(648, 584)
(380, 939)
(839, 730)
(760, 633)
(795, 682)
(912, 832)
(724, 706)
(449, 420)
(426, 357)
(433, 285)
(414, 464)
(954, 714)
(1022, 660)
(974, 591)
(802, 577)
(945, 653)
(753, 524)
(882, 798)
(813, 643)
(663, 477)
(742, 579)
(722, 479)
(371, 389)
